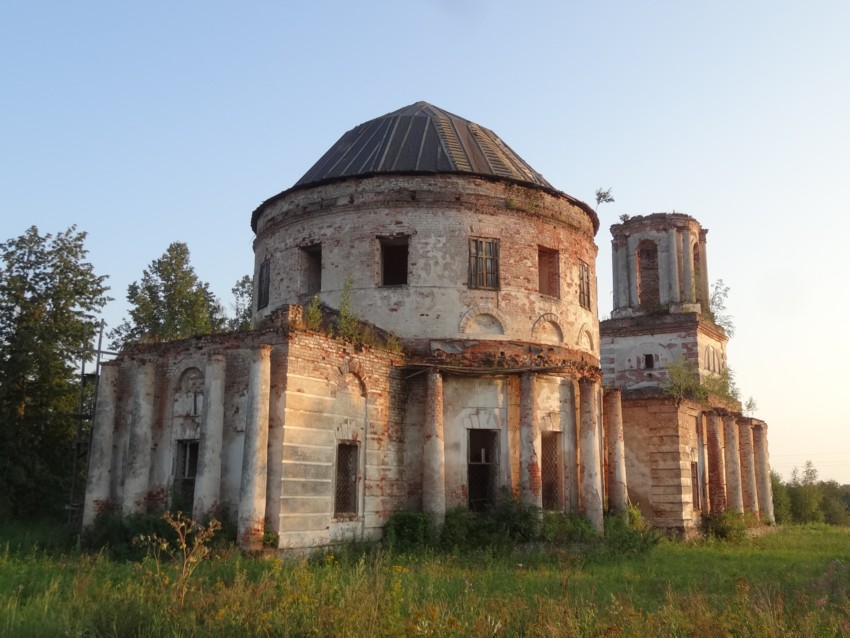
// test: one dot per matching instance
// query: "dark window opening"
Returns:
(264, 277)
(648, 361)
(550, 470)
(483, 468)
(548, 272)
(484, 263)
(345, 501)
(312, 268)
(394, 254)
(584, 285)
(185, 473)
(648, 276)
(695, 485)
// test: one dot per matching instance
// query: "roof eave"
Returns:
(594, 219)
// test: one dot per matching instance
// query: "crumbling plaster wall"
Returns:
(667, 338)
(173, 422)
(661, 440)
(479, 403)
(439, 214)
(335, 394)
(681, 282)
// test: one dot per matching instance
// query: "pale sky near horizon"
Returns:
(155, 122)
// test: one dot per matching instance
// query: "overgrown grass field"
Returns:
(792, 581)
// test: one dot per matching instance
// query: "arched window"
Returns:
(647, 279)
(712, 361)
(697, 267)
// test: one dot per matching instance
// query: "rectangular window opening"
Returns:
(550, 470)
(695, 487)
(548, 272)
(185, 473)
(394, 257)
(483, 468)
(312, 259)
(584, 285)
(264, 277)
(345, 500)
(648, 361)
(484, 263)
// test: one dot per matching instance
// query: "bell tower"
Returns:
(661, 302)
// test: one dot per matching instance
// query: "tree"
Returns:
(781, 500)
(50, 299)
(806, 495)
(835, 511)
(243, 304)
(604, 197)
(170, 302)
(717, 307)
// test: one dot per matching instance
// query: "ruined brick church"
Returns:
(491, 373)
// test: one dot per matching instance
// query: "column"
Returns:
(100, 456)
(434, 450)
(252, 493)
(615, 270)
(591, 477)
(705, 295)
(569, 407)
(208, 479)
(137, 476)
(734, 498)
(748, 467)
(762, 463)
(530, 481)
(623, 276)
(632, 270)
(688, 261)
(716, 466)
(612, 415)
(673, 264)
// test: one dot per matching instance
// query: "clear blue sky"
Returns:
(148, 123)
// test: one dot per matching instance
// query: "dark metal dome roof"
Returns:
(421, 138)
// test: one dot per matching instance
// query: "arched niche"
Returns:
(189, 393)
(711, 360)
(349, 379)
(585, 339)
(547, 330)
(483, 320)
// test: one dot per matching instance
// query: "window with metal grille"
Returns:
(484, 263)
(185, 472)
(548, 273)
(550, 470)
(584, 285)
(394, 251)
(264, 277)
(312, 268)
(345, 501)
(482, 468)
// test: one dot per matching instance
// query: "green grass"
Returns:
(794, 581)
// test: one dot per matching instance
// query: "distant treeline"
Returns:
(805, 499)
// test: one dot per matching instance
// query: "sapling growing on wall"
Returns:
(603, 197)
(717, 307)
(313, 314)
(347, 323)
